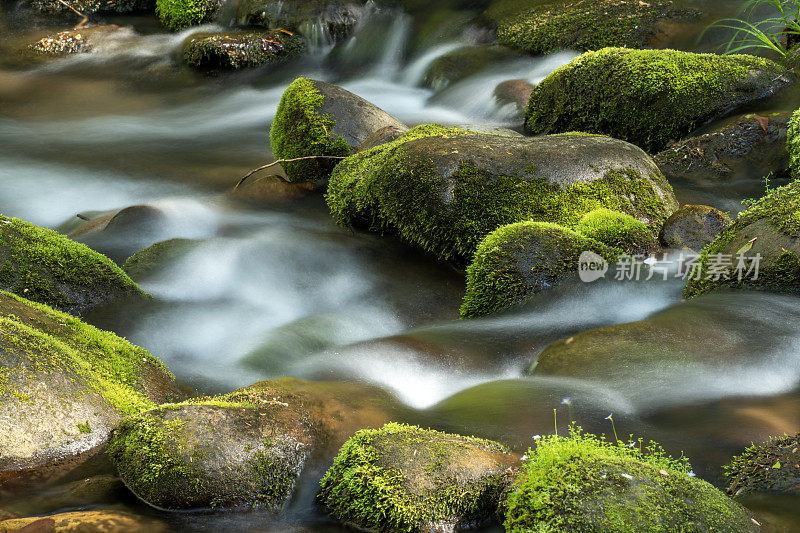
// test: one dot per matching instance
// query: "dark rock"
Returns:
(768, 467)
(383, 136)
(271, 190)
(336, 18)
(463, 63)
(240, 49)
(516, 92)
(156, 258)
(693, 227)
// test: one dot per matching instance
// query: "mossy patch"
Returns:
(793, 144)
(240, 49)
(770, 466)
(617, 230)
(179, 14)
(157, 257)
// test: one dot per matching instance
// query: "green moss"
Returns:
(179, 14)
(51, 341)
(84, 427)
(647, 97)
(616, 230)
(770, 466)
(793, 144)
(374, 484)
(155, 258)
(299, 130)
(585, 483)
(46, 267)
(239, 49)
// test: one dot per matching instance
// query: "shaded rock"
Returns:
(584, 483)
(271, 190)
(403, 478)
(693, 227)
(383, 136)
(516, 92)
(63, 386)
(125, 222)
(240, 49)
(46, 267)
(87, 7)
(96, 490)
(592, 24)
(74, 41)
(179, 14)
(463, 63)
(649, 97)
(772, 466)
(156, 258)
(315, 118)
(445, 189)
(336, 18)
(79, 521)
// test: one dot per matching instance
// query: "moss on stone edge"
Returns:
(755, 468)
(107, 363)
(646, 97)
(179, 14)
(33, 250)
(793, 144)
(240, 49)
(616, 230)
(366, 489)
(298, 130)
(570, 484)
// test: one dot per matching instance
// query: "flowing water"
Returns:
(281, 291)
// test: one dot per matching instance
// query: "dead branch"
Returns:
(84, 20)
(279, 161)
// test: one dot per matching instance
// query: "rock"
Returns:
(584, 483)
(518, 260)
(240, 49)
(336, 18)
(649, 97)
(618, 231)
(154, 259)
(772, 466)
(317, 118)
(64, 385)
(92, 491)
(403, 478)
(463, 63)
(382, 136)
(179, 14)
(79, 521)
(583, 26)
(793, 143)
(766, 235)
(271, 190)
(693, 227)
(242, 449)
(516, 92)
(751, 146)
(74, 41)
(125, 222)
(87, 7)
(445, 189)
(46, 267)
(490, 130)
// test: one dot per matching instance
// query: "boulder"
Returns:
(77, 521)
(404, 478)
(336, 18)
(154, 259)
(46, 267)
(315, 118)
(64, 385)
(445, 189)
(515, 92)
(518, 260)
(764, 240)
(179, 14)
(584, 25)
(464, 62)
(242, 449)
(582, 482)
(240, 49)
(97, 490)
(382, 136)
(693, 227)
(271, 190)
(768, 467)
(127, 222)
(649, 97)
(75, 41)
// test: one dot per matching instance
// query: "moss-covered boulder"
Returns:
(618, 231)
(767, 236)
(793, 144)
(590, 25)
(80, 521)
(649, 97)
(585, 483)
(693, 227)
(463, 63)
(769, 467)
(445, 189)
(315, 118)
(404, 478)
(74, 41)
(45, 267)
(519, 260)
(179, 14)
(63, 386)
(334, 18)
(240, 49)
(157, 257)
(242, 449)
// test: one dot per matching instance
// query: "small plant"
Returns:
(768, 33)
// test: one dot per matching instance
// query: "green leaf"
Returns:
(777, 464)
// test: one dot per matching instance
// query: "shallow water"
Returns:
(282, 291)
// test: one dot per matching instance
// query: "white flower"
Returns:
(524, 457)
(609, 417)
(536, 437)
(566, 401)
(690, 473)
(631, 444)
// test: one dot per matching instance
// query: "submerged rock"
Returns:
(240, 49)
(772, 466)
(63, 386)
(270, 190)
(516, 92)
(445, 189)
(693, 227)
(179, 14)
(404, 478)
(156, 258)
(463, 63)
(76, 521)
(334, 18)
(585, 483)
(649, 97)
(590, 25)
(315, 118)
(45, 267)
(74, 41)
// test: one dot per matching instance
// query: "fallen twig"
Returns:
(279, 161)
(83, 22)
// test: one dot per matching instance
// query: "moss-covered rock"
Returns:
(179, 14)
(585, 483)
(403, 478)
(87, 7)
(242, 449)
(45, 267)
(64, 385)
(74, 41)
(463, 63)
(648, 97)
(771, 466)
(336, 18)
(240, 49)
(619, 231)
(77, 521)
(154, 259)
(590, 25)
(769, 228)
(519, 260)
(693, 227)
(315, 118)
(445, 189)
(793, 144)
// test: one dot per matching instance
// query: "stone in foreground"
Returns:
(769, 467)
